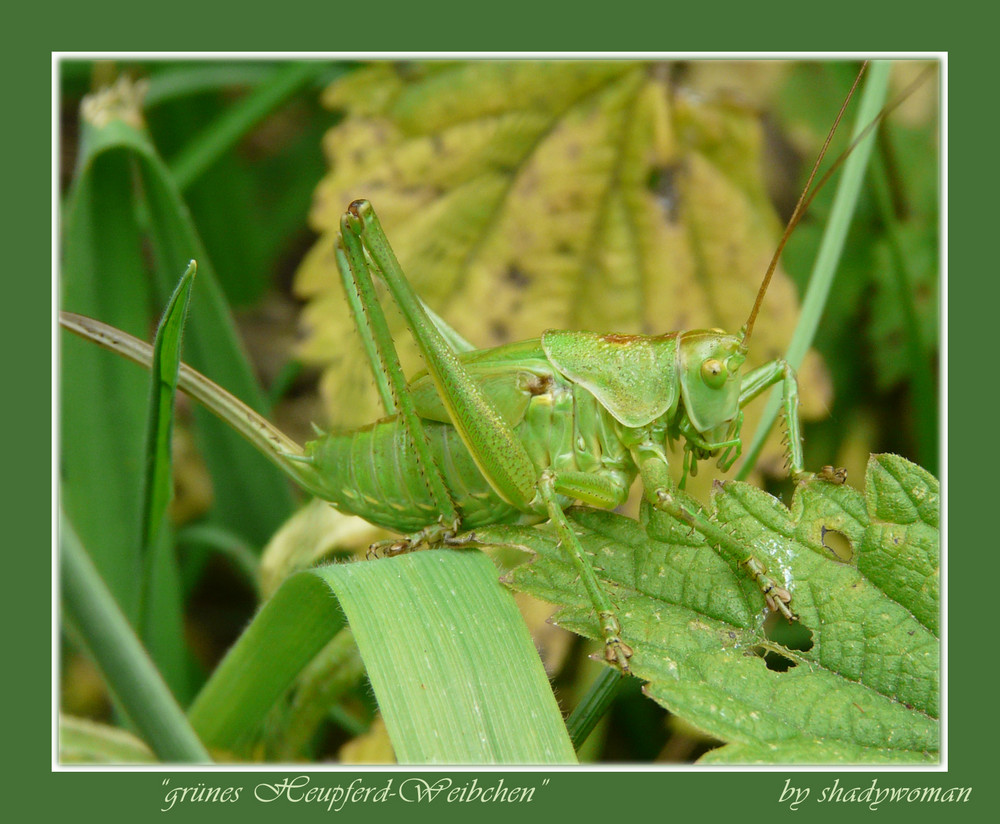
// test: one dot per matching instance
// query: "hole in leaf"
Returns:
(777, 662)
(791, 636)
(837, 543)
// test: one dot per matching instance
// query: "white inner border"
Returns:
(941, 57)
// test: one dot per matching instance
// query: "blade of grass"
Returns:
(288, 632)
(825, 267)
(163, 390)
(456, 675)
(101, 400)
(161, 601)
(451, 661)
(594, 706)
(248, 492)
(126, 666)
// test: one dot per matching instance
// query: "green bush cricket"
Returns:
(517, 433)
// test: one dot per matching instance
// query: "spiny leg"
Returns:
(500, 456)
(616, 651)
(366, 313)
(429, 536)
(658, 489)
(763, 377)
(384, 360)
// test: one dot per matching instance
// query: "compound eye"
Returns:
(713, 372)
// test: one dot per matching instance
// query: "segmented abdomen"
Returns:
(373, 472)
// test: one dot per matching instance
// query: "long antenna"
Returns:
(807, 197)
(801, 206)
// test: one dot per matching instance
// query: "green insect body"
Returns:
(559, 423)
(575, 401)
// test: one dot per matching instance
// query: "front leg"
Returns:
(763, 377)
(616, 651)
(659, 492)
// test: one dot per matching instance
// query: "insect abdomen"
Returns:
(374, 474)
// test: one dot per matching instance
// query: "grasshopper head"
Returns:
(710, 362)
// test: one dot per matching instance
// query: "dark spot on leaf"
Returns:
(517, 277)
(662, 182)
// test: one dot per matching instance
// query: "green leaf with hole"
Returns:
(861, 683)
